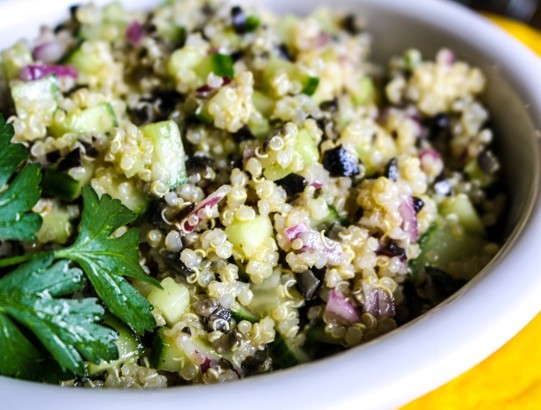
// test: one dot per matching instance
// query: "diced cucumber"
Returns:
(184, 60)
(98, 119)
(286, 354)
(60, 185)
(263, 103)
(307, 148)
(474, 172)
(442, 247)
(16, 58)
(265, 294)
(240, 313)
(220, 64)
(168, 164)
(317, 333)
(461, 206)
(89, 62)
(128, 344)
(172, 300)
(57, 226)
(248, 236)
(259, 125)
(44, 92)
(202, 114)
(364, 91)
(127, 192)
(276, 66)
(166, 355)
(112, 26)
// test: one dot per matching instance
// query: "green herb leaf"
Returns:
(105, 259)
(67, 328)
(17, 221)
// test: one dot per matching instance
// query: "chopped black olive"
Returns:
(443, 187)
(320, 273)
(53, 156)
(236, 55)
(252, 363)
(239, 20)
(396, 250)
(284, 53)
(141, 115)
(340, 163)
(418, 204)
(329, 105)
(292, 184)
(351, 24)
(198, 163)
(439, 130)
(90, 150)
(244, 134)
(487, 162)
(391, 169)
(205, 307)
(186, 330)
(73, 10)
(226, 342)
(307, 284)
(72, 160)
(173, 262)
(222, 314)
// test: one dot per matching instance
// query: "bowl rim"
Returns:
(445, 357)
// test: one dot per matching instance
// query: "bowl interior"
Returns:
(431, 350)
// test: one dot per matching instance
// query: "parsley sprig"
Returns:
(17, 221)
(68, 329)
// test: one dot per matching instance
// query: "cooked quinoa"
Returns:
(306, 200)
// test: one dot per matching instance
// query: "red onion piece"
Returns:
(35, 72)
(135, 32)
(378, 301)
(293, 232)
(313, 240)
(445, 56)
(342, 309)
(409, 219)
(317, 184)
(429, 155)
(202, 210)
(49, 52)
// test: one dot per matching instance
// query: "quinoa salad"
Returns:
(205, 192)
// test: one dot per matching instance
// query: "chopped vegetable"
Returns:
(340, 163)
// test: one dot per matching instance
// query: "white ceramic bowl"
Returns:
(448, 340)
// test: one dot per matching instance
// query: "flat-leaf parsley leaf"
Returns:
(67, 328)
(17, 221)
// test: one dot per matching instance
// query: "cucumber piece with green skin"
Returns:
(474, 172)
(98, 119)
(128, 344)
(285, 354)
(240, 313)
(15, 58)
(60, 185)
(275, 66)
(461, 206)
(84, 62)
(184, 60)
(364, 91)
(441, 247)
(248, 236)
(317, 333)
(331, 219)
(220, 64)
(168, 164)
(127, 192)
(167, 356)
(265, 296)
(173, 300)
(263, 103)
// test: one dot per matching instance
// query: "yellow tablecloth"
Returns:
(511, 377)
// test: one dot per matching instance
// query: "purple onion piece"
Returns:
(446, 57)
(378, 301)
(135, 33)
(409, 219)
(206, 204)
(342, 309)
(49, 52)
(294, 231)
(429, 153)
(317, 184)
(35, 72)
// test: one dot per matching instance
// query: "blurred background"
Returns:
(528, 11)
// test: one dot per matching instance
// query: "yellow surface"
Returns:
(511, 377)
